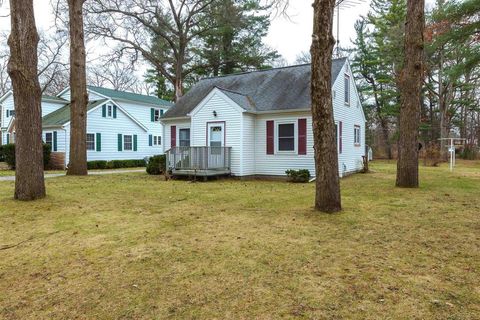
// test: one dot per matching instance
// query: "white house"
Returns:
(260, 123)
(120, 125)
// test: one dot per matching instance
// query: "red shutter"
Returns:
(340, 137)
(173, 136)
(270, 137)
(302, 136)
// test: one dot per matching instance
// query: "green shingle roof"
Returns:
(53, 98)
(62, 115)
(115, 94)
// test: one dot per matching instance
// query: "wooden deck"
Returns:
(200, 173)
(199, 161)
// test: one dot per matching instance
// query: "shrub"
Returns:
(8, 154)
(301, 176)
(469, 153)
(115, 164)
(156, 165)
(97, 164)
(2, 158)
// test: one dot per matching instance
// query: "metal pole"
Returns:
(451, 155)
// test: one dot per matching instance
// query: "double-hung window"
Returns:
(127, 143)
(157, 140)
(184, 137)
(49, 138)
(356, 135)
(109, 111)
(286, 137)
(91, 141)
(347, 89)
(157, 114)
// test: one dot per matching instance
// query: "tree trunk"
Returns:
(78, 91)
(22, 68)
(327, 196)
(443, 109)
(411, 80)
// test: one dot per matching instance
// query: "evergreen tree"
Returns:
(233, 41)
(378, 59)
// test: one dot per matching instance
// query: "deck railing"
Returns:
(199, 158)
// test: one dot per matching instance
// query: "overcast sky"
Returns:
(289, 35)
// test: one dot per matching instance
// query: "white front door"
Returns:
(216, 134)
(216, 140)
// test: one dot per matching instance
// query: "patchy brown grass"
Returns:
(134, 247)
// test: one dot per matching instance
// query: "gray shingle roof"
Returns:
(266, 90)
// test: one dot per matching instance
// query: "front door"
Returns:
(216, 142)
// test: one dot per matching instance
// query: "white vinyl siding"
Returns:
(49, 107)
(168, 124)
(228, 114)
(143, 114)
(109, 128)
(248, 141)
(246, 133)
(276, 164)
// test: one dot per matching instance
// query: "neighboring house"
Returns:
(260, 123)
(120, 125)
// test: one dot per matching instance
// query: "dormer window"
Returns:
(347, 89)
(109, 111)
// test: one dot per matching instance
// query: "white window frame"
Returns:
(157, 141)
(46, 142)
(211, 125)
(178, 135)
(295, 137)
(357, 134)
(94, 142)
(155, 110)
(124, 142)
(109, 111)
(347, 95)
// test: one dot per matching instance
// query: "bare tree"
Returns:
(78, 91)
(410, 85)
(5, 83)
(163, 34)
(52, 67)
(327, 196)
(303, 58)
(22, 68)
(113, 73)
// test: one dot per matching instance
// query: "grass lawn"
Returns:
(133, 247)
(4, 173)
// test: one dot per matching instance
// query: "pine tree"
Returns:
(378, 59)
(234, 40)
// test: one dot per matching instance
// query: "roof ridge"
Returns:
(267, 70)
(123, 91)
(127, 94)
(232, 91)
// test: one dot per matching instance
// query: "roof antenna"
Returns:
(340, 5)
